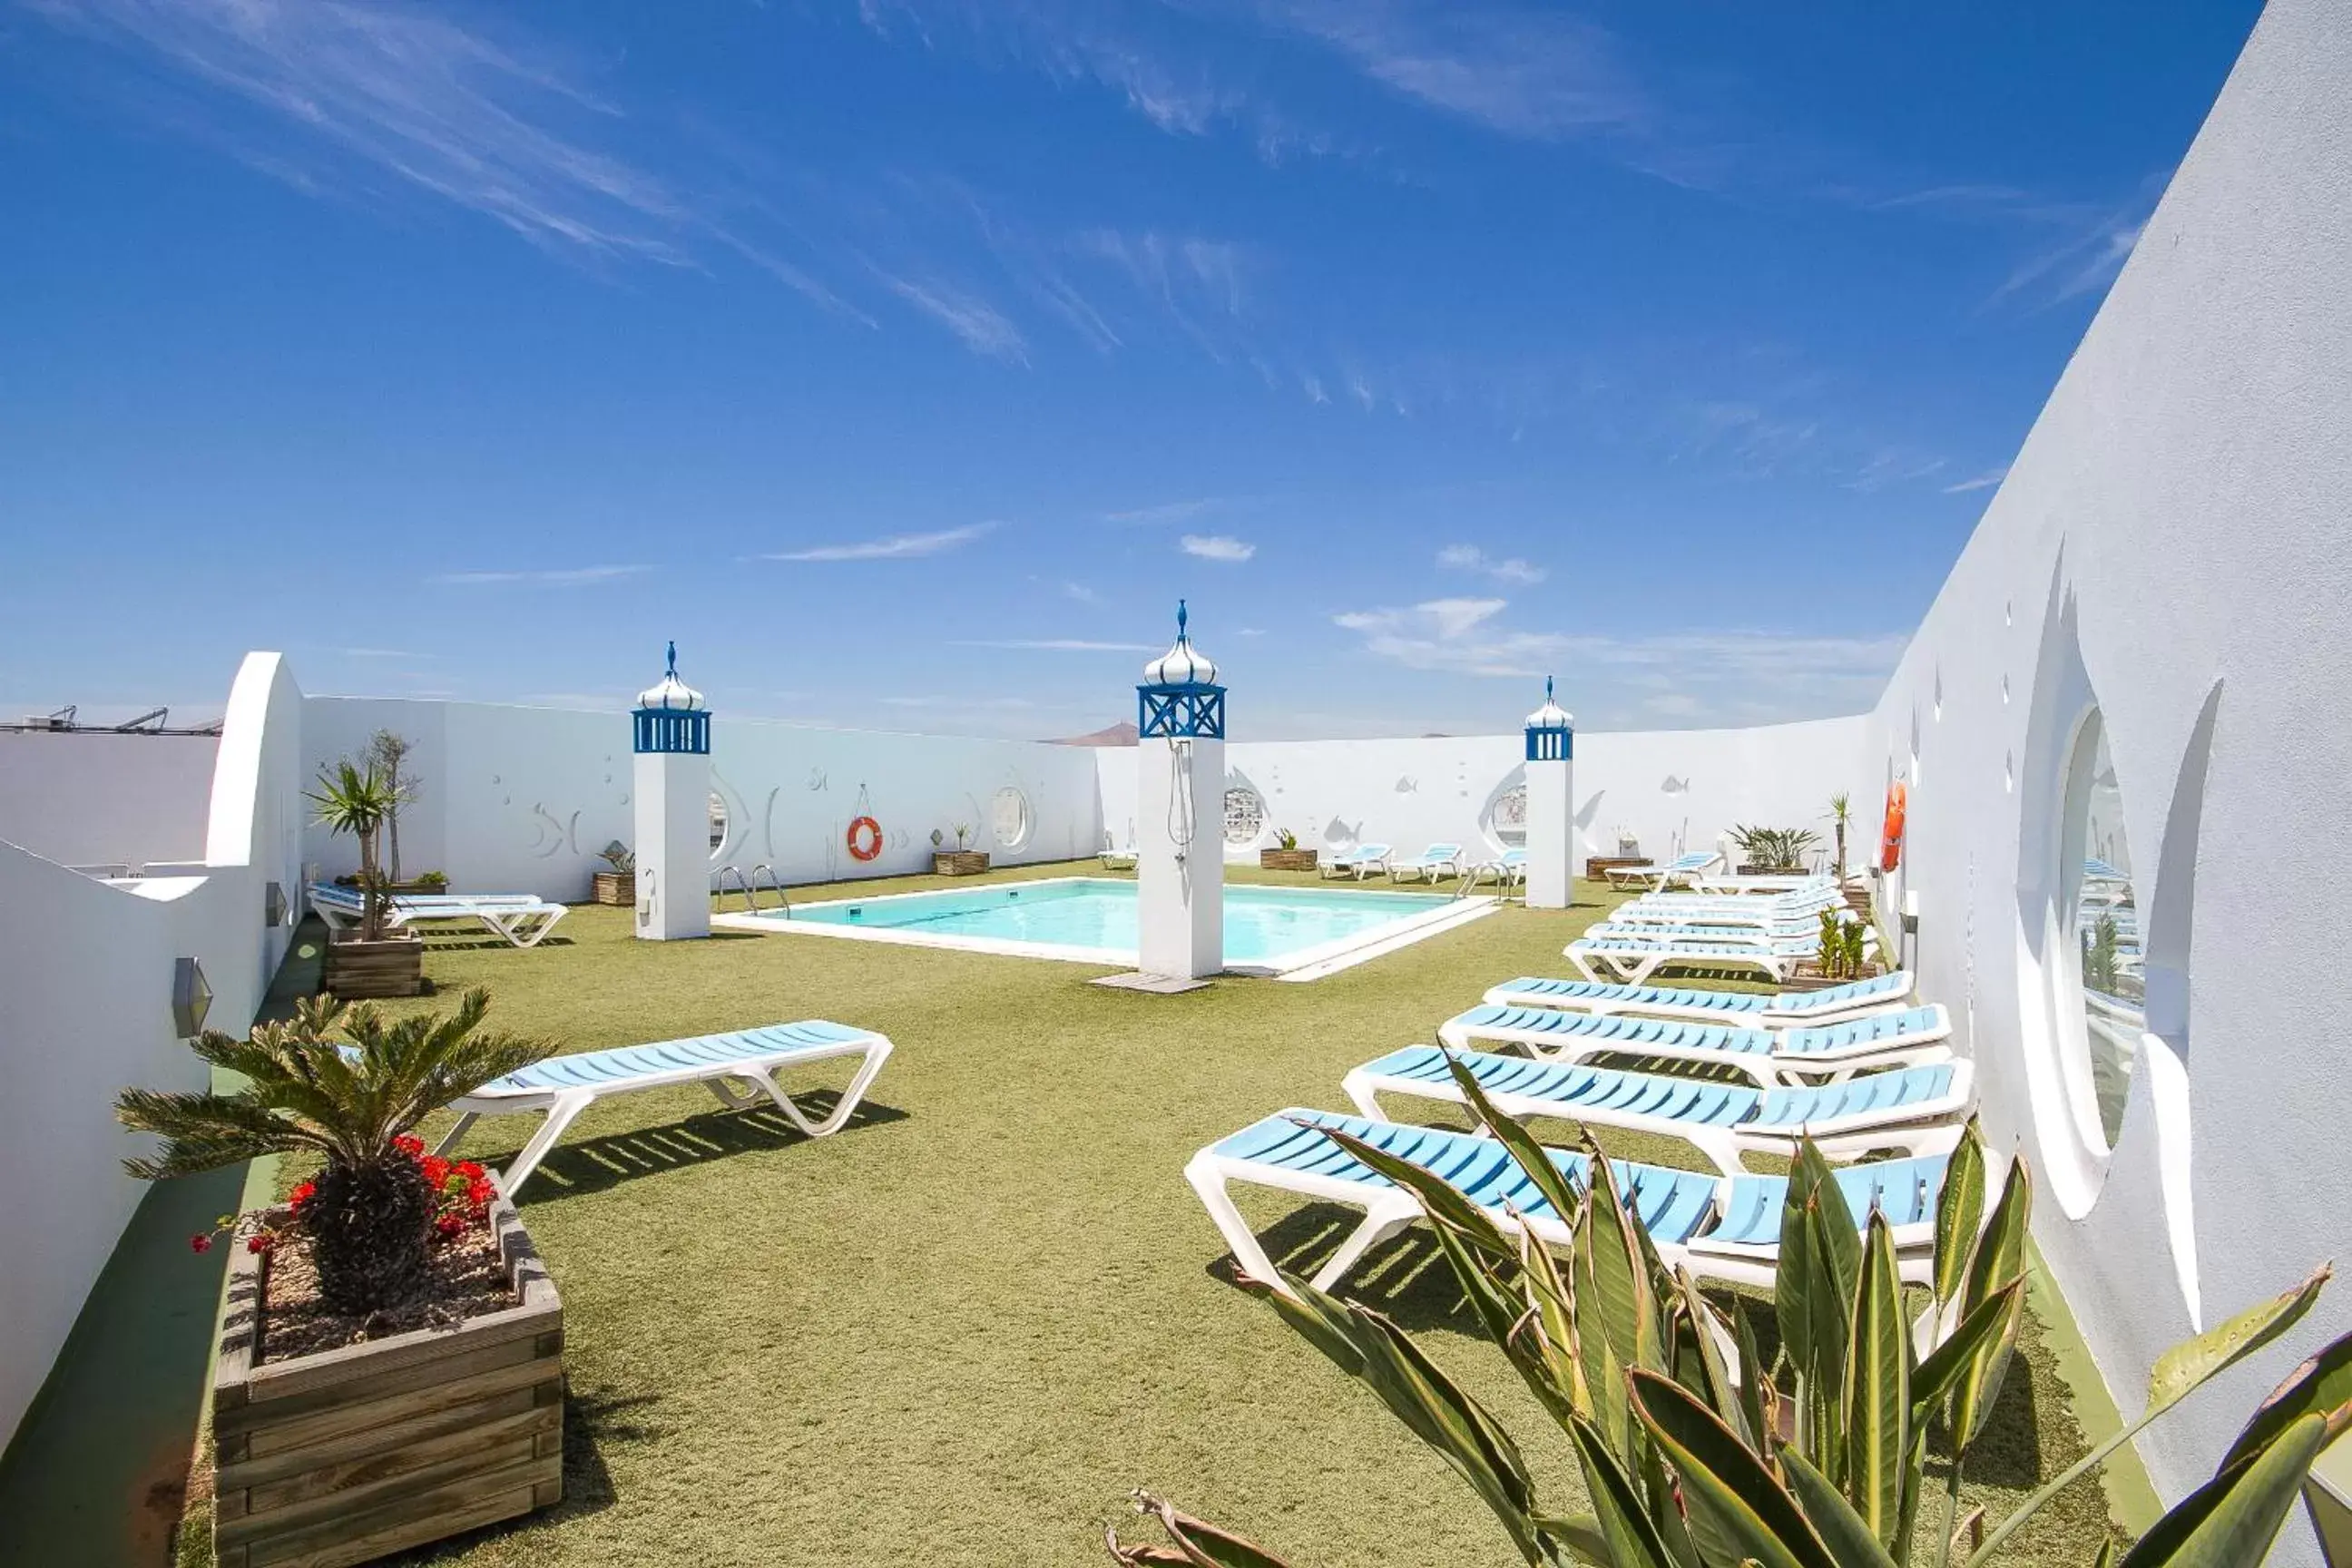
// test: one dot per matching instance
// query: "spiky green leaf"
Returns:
(1959, 1207)
(1848, 1536)
(1632, 1537)
(2321, 1384)
(2231, 1520)
(2184, 1366)
(1725, 1481)
(1878, 1387)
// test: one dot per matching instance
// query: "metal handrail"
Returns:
(783, 900)
(743, 885)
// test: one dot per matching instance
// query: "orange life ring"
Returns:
(864, 838)
(1898, 804)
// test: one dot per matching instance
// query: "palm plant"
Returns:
(1693, 1453)
(1841, 814)
(343, 1084)
(356, 799)
(1780, 848)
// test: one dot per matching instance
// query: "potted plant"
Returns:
(1773, 851)
(391, 1362)
(619, 884)
(366, 959)
(1839, 956)
(958, 861)
(1288, 857)
(1841, 814)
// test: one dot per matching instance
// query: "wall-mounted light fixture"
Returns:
(273, 905)
(192, 998)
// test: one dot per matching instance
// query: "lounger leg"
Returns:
(875, 1054)
(1208, 1184)
(1381, 1220)
(1586, 966)
(450, 1139)
(543, 922)
(561, 1115)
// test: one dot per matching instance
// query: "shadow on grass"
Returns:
(599, 1165)
(594, 1423)
(1406, 1278)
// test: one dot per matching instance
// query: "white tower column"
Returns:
(671, 802)
(1552, 806)
(1179, 814)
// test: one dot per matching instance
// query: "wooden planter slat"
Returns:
(352, 1453)
(959, 862)
(1287, 859)
(393, 967)
(615, 887)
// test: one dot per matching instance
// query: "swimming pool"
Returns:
(1092, 920)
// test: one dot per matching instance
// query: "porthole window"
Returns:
(1244, 815)
(1010, 817)
(1509, 819)
(717, 823)
(2103, 935)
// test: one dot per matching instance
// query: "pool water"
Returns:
(1263, 926)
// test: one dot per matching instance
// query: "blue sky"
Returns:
(907, 360)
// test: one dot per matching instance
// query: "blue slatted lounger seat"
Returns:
(1880, 994)
(1914, 1109)
(1632, 955)
(563, 1087)
(1770, 1056)
(519, 919)
(1685, 1211)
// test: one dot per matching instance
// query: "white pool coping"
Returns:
(1307, 964)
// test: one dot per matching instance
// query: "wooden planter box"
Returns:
(1597, 867)
(350, 1453)
(1808, 978)
(1753, 870)
(617, 888)
(394, 889)
(959, 862)
(393, 967)
(1287, 859)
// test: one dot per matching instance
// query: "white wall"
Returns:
(86, 972)
(101, 799)
(1668, 788)
(524, 799)
(2174, 545)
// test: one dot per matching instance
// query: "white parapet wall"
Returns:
(93, 799)
(524, 800)
(2172, 550)
(1668, 789)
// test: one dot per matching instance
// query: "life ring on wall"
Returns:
(1898, 802)
(864, 838)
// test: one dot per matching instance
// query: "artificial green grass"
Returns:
(962, 1329)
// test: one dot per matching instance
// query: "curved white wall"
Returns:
(100, 799)
(2174, 543)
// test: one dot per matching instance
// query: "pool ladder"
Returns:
(750, 886)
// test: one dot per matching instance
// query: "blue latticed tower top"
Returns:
(671, 716)
(1180, 695)
(1551, 733)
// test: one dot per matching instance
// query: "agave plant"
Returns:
(1781, 848)
(357, 799)
(1693, 1455)
(340, 1083)
(1840, 946)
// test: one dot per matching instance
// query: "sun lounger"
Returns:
(1744, 1009)
(521, 919)
(1117, 860)
(1632, 955)
(1722, 885)
(1914, 1109)
(1681, 868)
(560, 1087)
(1755, 914)
(1770, 1056)
(1363, 861)
(1427, 866)
(1509, 869)
(1720, 1227)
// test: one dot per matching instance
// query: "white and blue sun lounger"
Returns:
(1363, 861)
(560, 1087)
(1509, 869)
(1704, 908)
(1634, 954)
(1681, 868)
(1770, 1056)
(1117, 860)
(521, 920)
(1719, 1227)
(1916, 1110)
(1445, 858)
(1743, 1009)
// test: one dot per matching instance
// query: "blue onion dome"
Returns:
(1551, 715)
(1182, 664)
(671, 695)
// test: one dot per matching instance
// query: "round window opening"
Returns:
(1510, 818)
(1244, 815)
(1009, 815)
(717, 823)
(2103, 946)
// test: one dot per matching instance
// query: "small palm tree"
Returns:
(356, 799)
(1841, 813)
(344, 1083)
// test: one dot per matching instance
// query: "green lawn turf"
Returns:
(963, 1328)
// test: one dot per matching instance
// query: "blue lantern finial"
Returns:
(1547, 689)
(1180, 620)
(673, 659)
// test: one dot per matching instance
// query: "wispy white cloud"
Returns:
(896, 547)
(1890, 466)
(1251, 632)
(1983, 481)
(1470, 558)
(1081, 592)
(1167, 511)
(333, 96)
(549, 577)
(1217, 547)
(2078, 263)
(1057, 644)
(977, 324)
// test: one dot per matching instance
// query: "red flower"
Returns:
(301, 1195)
(449, 1224)
(479, 1192)
(200, 1242)
(407, 1143)
(436, 1172)
(261, 1243)
(470, 1170)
